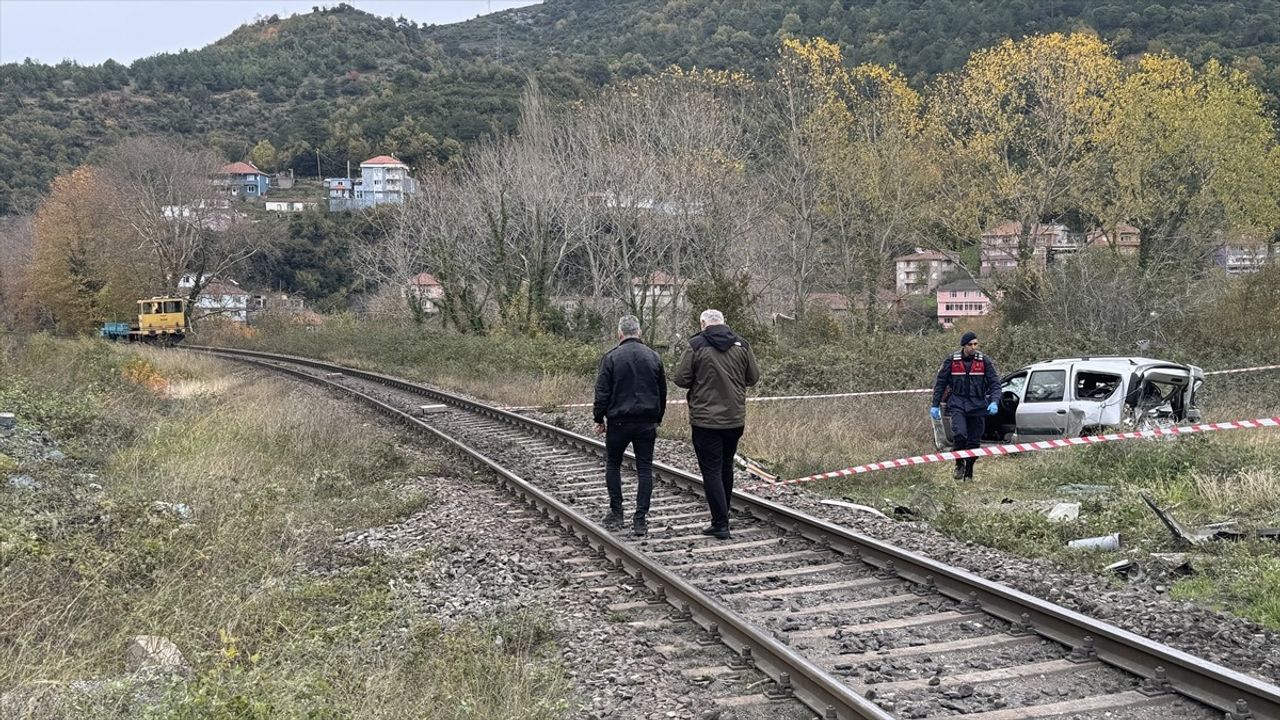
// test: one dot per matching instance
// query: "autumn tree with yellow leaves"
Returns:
(1017, 131)
(1187, 156)
(85, 268)
(874, 182)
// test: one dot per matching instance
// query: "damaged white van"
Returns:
(1069, 397)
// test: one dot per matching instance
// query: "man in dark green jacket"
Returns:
(717, 369)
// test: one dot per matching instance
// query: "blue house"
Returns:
(242, 179)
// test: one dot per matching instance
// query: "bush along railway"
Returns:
(848, 625)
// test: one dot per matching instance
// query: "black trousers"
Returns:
(715, 449)
(966, 432)
(640, 436)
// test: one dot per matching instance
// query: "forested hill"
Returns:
(339, 84)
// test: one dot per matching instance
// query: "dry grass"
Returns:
(270, 475)
(1247, 490)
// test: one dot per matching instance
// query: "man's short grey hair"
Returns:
(629, 326)
(712, 317)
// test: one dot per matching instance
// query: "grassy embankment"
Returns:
(274, 619)
(1232, 475)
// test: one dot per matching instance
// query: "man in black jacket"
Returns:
(717, 369)
(631, 397)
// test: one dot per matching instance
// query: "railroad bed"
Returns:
(850, 626)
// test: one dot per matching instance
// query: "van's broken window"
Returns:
(1046, 386)
(1096, 385)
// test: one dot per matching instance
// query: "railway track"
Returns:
(850, 626)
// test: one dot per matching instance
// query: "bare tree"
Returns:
(17, 251)
(168, 195)
(436, 231)
(793, 181)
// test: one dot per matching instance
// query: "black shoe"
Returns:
(639, 527)
(612, 520)
(959, 473)
(717, 533)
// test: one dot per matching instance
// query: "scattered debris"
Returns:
(1082, 489)
(1215, 531)
(1177, 563)
(1062, 512)
(1126, 568)
(855, 506)
(23, 482)
(145, 651)
(755, 468)
(182, 510)
(1269, 533)
(1108, 543)
(902, 512)
(432, 409)
(7, 421)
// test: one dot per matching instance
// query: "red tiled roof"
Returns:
(383, 160)
(217, 288)
(423, 280)
(240, 168)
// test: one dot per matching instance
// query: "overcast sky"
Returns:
(90, 31)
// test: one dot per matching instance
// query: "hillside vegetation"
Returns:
(314, 91)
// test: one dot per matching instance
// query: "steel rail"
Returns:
(1166, 669)
(794, 676)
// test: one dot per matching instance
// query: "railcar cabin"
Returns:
(161, 320)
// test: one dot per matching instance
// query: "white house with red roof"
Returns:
(242, 179)
(383, 179)
(426, 290)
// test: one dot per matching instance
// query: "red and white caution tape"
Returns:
(759, 398)
(1014, 448)
(865, 393)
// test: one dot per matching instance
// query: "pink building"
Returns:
(961, 299)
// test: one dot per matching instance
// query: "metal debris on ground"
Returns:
(1177, 563)
(755, 468)
(1127, 569)
(1108, 543)
(1193, 536)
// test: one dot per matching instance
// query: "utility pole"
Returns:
(318, 163)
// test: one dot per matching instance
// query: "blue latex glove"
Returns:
(935, 413)
(992, 409)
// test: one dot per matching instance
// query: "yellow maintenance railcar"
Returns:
(161, 320)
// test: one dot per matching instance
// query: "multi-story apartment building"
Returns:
(921, 271)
